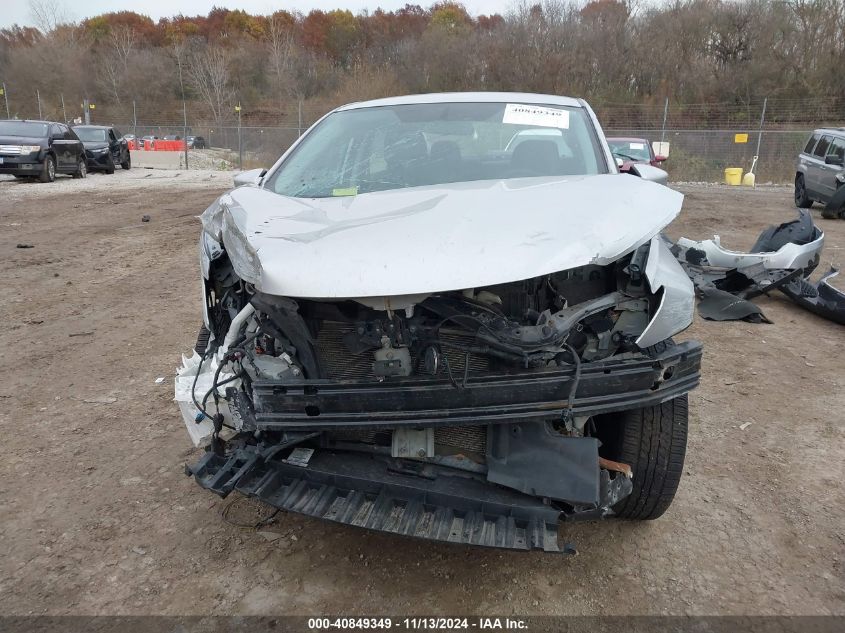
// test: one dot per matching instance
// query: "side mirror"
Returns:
(251, 177)
(647, 172)
(833, 159)
(619, 162)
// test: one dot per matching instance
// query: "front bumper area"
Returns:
(368, 492)
(602, 387)
(25, 165)
(532, 477)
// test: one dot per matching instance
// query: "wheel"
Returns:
(110, 166)
(127, 164)
(830, 214)
(653, 441)
(801, 199)
(81, 169)
(48, 169)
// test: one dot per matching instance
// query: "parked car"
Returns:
(820, 168)
(411, 329)
(40, 149)
(147, 142)
(196, 142)
(634, 151)
(172, 137)
(105, 147)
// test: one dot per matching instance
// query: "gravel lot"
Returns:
(98, 517)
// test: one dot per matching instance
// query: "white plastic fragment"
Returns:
(159, 380)
(201, 432)
(745, 425)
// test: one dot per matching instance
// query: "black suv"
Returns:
(40, 149)
(105, 147)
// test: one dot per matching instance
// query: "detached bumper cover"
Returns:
(603, 387)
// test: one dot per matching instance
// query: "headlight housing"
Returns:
(30, 149)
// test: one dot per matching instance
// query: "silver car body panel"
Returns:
(789, 257)
(677, 303)
(436, 238)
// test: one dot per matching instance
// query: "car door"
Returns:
(828, 172)
(59, 145)
(114, 147)
(815, 167)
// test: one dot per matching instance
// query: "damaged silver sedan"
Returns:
(448, 317)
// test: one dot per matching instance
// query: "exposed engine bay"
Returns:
(444, 378)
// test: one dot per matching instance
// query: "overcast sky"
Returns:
(17, 11)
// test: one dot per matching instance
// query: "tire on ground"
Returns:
(653, 441)
(801, 199)
(48, 169)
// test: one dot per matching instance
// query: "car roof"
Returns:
(467, 97)
(829, 130)
(94, 127)
(27, 121)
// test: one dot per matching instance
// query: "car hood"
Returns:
(430, 239)
(22, 140)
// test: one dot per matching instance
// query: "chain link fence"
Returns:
(702, 137)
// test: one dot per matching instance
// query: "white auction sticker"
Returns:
(521, 114)
(299, 456)
(637, 145)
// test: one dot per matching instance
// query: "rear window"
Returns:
(837, 148)
(821, 148)
(22, 128)
(811, 143)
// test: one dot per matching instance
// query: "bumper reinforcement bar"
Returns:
(603, 387)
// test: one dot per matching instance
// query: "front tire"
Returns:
(81, 169)
(48, 169)
(110, 166)
(801, 199)
(653, 441)
(127, 164)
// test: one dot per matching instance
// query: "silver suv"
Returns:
(819, 169)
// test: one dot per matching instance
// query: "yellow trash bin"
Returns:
(733, 176)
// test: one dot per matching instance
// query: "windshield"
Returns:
(394, 147)
(22, 128)
(91, 134)
(630, 150)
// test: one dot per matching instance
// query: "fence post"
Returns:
(38, 98)
(64, 113)
(184, 129)
(240, 140)
(87, 113)
(6, 97)
(299, 118)
(663, 129)
(760, 136)
(134, 122)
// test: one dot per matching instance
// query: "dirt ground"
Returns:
(99, 518)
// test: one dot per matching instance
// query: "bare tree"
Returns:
(114, 63)
(48, 14)
(208, 73)
(281, 49)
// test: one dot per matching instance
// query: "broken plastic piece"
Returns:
(719, 305)
(821, 298)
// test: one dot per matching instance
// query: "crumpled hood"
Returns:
(431, 239)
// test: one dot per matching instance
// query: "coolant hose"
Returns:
(235, 327)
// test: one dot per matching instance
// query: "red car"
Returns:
(633, 150)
